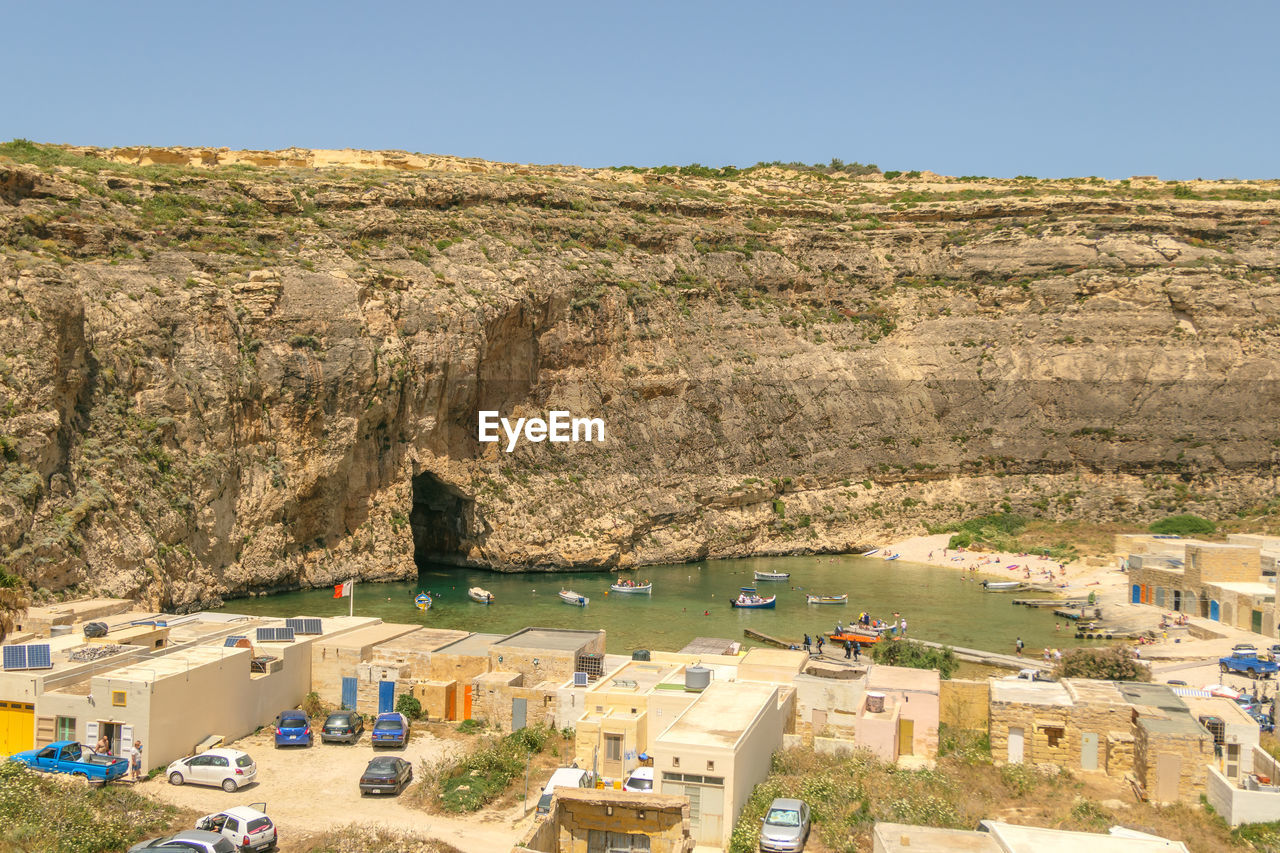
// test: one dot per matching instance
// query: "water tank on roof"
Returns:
(640, 654)
(697, 677)
(875, 702)
(59, 630)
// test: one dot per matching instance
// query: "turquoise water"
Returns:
(936, 602)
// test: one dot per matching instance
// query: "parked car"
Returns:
(386, 774)
(391, 729)
(185, 842)
(342, 726)
(1246, 662)
(293, 729)
(565, 777)
(1176, 682)
(785, 827)
(246, 827)
(68, 756)
(228, 768)
(641, 779)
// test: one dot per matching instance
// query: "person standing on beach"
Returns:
(807, 643)
(1018, 646)
(903, 631)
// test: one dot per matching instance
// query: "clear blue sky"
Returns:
(1112, 89)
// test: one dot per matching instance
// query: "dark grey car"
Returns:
(343, 726)
(785, 827)
(187, 841)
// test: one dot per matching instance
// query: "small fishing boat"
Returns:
(854, 637)
(748, 598)
(568, 596)
(1001, 586)
(632, 587)
(422, 601)
(773, 576)
(827, 599)
(893, 556)
(870, 553)
(481, 595)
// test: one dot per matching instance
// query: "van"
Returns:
(565, 777)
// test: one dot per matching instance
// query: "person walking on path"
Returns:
(819, 644)
(857, 650)
(135, 759)
(807, 643)
(1018, 645)
(848, 649)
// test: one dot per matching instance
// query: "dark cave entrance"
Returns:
(440, 520)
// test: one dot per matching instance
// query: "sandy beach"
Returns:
(1071, 578)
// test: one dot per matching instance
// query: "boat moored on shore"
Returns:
(481, 595)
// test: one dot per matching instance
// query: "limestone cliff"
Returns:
(236, 371)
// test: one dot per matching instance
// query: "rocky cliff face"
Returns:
(236, 371)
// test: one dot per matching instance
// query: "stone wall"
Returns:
(1216, 563)
(965, 704)
(1119, 756)
(437, 698)
(493, 698)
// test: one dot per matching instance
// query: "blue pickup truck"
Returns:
(68, 756)
(1243, 661)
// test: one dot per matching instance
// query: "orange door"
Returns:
(466, 703)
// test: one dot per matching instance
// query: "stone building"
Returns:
(1223, 582)
(588, 820)
(1115, 728)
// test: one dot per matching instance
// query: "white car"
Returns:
(247, 827)
(227, 768)
(641, 779)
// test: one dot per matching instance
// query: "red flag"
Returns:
(342, 590)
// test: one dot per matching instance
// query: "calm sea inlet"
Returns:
(692, 600)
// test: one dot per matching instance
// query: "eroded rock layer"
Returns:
(240, 371)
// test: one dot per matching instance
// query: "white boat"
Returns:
(1001, 586)
(827, 599)
(481, 595)
(773, 576)
(870, 553)
(568, 596)
(632, 588)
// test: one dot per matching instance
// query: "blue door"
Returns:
(1214, 613)
(1137, 594)
(349, 693)
(386, 696)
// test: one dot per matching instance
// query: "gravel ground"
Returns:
(313, 790)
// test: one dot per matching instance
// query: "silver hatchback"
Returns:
(785, 827)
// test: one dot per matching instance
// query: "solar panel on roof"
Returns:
(579, 679)
(304, 625)
(231, 641)
(275, 635)
(266, 634)
(39, 657)
(15, 657)
(284, 635)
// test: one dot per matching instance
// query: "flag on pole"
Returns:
(342, 590)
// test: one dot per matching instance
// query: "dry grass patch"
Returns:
(364, 839)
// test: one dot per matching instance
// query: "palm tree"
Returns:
(13, 602)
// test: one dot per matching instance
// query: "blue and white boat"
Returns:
(749, 599)
(568, 596)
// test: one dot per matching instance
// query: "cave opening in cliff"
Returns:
(439, 520)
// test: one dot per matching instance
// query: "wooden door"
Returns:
(1088, 750)
(1016, 736)
(906, 736)
(1168, 769)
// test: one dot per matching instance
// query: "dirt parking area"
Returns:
(310, 790)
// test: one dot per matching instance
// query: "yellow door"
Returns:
(906, 734)
(17, 727)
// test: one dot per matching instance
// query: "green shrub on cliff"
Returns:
(1116, 663)
(1184, 525)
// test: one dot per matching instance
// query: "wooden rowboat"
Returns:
(827, 599)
